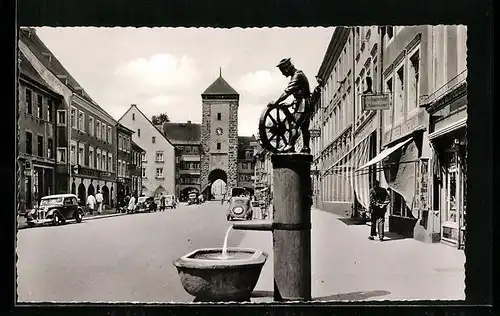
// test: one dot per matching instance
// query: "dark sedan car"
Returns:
(55, 209)
(239, 205)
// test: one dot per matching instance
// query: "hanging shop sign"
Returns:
(315, 133)
(375, 102)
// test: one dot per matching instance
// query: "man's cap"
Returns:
(285, 62)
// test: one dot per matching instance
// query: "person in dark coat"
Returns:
(379, 199)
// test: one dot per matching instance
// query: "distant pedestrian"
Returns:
(131, 204)
(379, 199)
(162, 203)
(91, 204)
(99, 199)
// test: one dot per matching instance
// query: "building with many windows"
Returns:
(443, 216)
(135, 168)
(246, 164)
(123, 163)
(414, 143)
(187, 140)
(37, 142)
(158, 160)
(86, 153)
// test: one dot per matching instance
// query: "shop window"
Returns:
(399, 207)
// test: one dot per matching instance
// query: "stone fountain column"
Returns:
(292, 226)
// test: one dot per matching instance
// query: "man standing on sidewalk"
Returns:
(379, 199)
(99, 200)
(91, 203)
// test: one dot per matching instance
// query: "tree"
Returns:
(160, 119)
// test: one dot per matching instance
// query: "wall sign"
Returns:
(375, 102)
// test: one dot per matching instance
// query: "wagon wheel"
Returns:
(276, 128)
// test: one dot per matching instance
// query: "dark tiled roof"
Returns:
(243, 144)
(136, 147)
(220, 87)
(26, 69)
(182, 133)
(37, 47)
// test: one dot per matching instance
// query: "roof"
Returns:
(27, 70)
(124, 128)
(46, 57)
(220, 87)
(182, 133)
(154, 126)
(244, 144)
(136, 147)
(335, 47)
(58, 196)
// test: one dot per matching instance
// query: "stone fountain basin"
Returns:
(207, 277)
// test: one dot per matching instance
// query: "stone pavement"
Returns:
(21, 220)
(347, 266)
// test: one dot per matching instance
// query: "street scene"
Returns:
(215, 171)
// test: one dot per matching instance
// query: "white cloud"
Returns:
(160, 71)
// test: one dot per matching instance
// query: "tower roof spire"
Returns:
(220, 71)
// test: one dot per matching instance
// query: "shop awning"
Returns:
(383, 154)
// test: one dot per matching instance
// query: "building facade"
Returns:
(86, 153)
(135, 168)
(444, 214)
(219, 137)
(124, 157)
(158, 160)
(186, 138)
(246, 163)
(37, 142)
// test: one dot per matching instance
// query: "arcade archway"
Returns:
(90, 190)
(218, 181)
(160, 191)
(81, 194)
(105, 195)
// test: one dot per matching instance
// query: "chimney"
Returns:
(189, 122)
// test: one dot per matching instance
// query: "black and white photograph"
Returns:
(250, 165)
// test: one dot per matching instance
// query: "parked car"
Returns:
(239, 205)
(170, 201)
(146, 204)
(55, 210)
(193, 199)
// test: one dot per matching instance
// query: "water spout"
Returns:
(224, 246)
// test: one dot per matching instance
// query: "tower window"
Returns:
(218, 146)
(133, 116)
(138, 132)
(219, 116)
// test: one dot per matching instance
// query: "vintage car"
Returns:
(55, 209)
(193, 199)
(239, 205)
(145, 204)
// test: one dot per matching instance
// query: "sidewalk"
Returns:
(21, 220)
(347, 266)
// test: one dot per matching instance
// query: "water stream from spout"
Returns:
(224, 246)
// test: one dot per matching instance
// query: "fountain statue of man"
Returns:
(299, 88)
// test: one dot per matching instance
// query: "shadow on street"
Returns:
(353, 296)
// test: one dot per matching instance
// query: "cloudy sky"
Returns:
(167, 69)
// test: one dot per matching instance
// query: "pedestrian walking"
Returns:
(162, 203)
(91, 204)
(379, 199)
(99, 199)
(131, 204)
